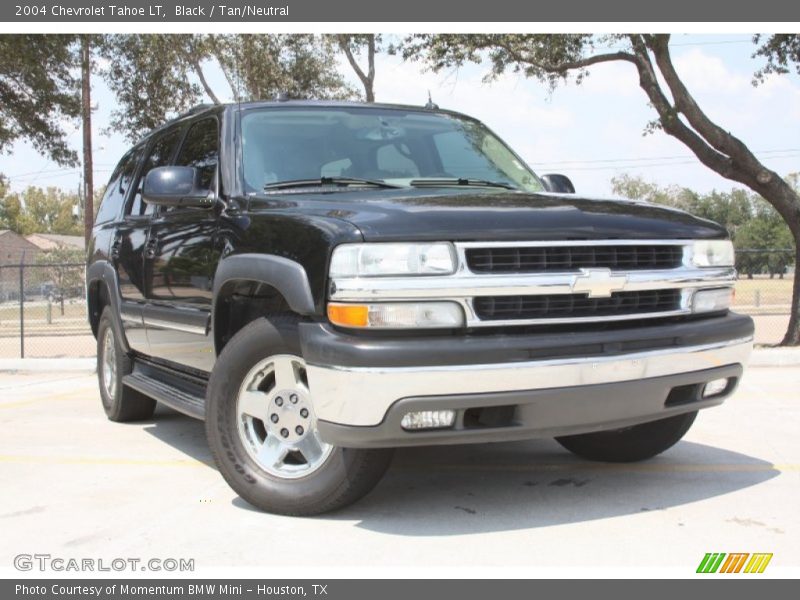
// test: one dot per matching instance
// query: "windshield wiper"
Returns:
(457, 181)
(325, 181)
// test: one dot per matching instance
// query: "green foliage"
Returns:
(149, 77)
(259, 67)
(38, 92)
(548, 58)
(155, 77)
(781, 50)
(38, 210)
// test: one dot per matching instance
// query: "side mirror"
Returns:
(560, 184)
(176, 186)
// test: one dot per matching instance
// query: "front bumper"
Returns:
(545, 385)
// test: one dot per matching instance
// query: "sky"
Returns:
(590, 132)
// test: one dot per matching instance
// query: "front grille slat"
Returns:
(550, 259)
(575, 306)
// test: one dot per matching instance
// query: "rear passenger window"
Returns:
(159, 156)
(200, 150)
(118, 186)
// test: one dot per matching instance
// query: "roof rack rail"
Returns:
(195, 109)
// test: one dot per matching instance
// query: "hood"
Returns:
(482, 215)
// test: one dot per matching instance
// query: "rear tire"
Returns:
(630, 444)
(261, 428)
(120, 403)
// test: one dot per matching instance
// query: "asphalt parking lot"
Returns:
(77, 485)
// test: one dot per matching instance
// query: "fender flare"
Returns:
(103, 271)
(288, 277)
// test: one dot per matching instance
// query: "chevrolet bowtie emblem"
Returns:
(598, 283)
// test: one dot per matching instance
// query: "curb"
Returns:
(775, 357)
(45, 365)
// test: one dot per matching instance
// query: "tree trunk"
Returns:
(716, 148)
(792, 337)
(367, 79)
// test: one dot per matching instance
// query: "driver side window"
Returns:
(160, 154)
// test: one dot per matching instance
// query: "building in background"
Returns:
(51, 241)
(14, 249)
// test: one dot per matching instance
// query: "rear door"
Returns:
(118, 190)
(180, 259)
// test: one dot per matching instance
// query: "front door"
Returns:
(180, 259)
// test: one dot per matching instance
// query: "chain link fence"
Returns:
(43, 306)
(43, 311)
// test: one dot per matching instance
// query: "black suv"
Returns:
(322, 282)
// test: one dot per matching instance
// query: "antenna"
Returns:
(431, 105)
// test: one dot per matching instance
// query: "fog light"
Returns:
(715, 388)
(712, 300)
(429, 419)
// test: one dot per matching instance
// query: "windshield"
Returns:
(393, 146)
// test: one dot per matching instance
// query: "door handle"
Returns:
(151, 248)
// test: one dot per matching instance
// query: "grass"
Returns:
(763, 291)
(72, 321)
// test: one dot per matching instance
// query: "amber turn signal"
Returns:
(348, 315)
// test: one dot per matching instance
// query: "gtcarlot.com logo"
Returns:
(48, 562)
(734, 562)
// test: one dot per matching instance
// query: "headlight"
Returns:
(380, 260)
(397, 315)
(712, 253)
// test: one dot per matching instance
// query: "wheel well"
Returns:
(97, 299)
(240, 302)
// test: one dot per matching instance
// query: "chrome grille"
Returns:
(549, 259)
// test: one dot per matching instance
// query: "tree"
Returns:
(553, 59)
(260, 67)
(38, 93)
(155, 77)
(62, 268)
(150, 77)
(39, 210)
(352, 45)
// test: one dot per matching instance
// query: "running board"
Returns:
(179, 398)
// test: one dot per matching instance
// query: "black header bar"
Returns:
(361, 11)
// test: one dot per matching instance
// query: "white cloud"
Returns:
(704, 72)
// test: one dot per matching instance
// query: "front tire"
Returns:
(630, 444)
(120, 404)
(261, 428)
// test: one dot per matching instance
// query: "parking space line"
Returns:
(642, 468)
(89, 460)
(74, 394)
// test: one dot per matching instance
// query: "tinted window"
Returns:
(394, 160)
(398, 146)
(160, 155)
(118, 186)
(200, 150)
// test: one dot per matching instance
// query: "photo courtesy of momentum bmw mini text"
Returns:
(356, 299)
